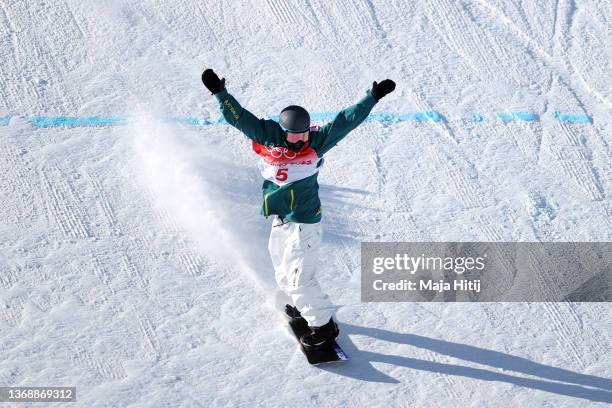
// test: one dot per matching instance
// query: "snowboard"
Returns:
(314, 357)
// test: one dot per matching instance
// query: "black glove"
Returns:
(212, 81)
(385, 87)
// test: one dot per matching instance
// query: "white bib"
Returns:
(283, 166)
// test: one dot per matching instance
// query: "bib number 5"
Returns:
(281, 174)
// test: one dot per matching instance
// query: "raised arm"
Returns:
(351, 117)
(259, 130)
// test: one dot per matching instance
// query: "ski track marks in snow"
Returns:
(454, 387)
(189, 258)
(106, 368)
(101, 272)
(34, 67)
(193, 263)
(467, 191)
(575, 159)
(16, 180)
(315, 22)
(567, 322)
(135, 274)
(283, 12)
(577, 166)
(461, 35)
(152, 349)
(568, 68)
(64, 206)
(105, 204)
(8, 91)
(527, 137)
(176, 16)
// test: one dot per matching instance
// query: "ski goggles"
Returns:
(293, 137)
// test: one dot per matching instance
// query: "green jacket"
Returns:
(297, 201)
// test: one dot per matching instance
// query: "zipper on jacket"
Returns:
(292, 200)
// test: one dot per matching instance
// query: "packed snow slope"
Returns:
(133, 260)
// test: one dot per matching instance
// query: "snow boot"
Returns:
(320, 337)
(294, 315)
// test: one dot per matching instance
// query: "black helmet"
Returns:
(294, 119)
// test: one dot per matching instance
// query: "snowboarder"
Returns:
(291, 154)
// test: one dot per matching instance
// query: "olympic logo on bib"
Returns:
(278, 152)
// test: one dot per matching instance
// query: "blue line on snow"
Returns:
(4, 121)
(316, 117)
(572, 118)
(73, 121)
(521, 116)
(406, 117)
(477, 117)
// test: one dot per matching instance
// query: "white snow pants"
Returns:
(294, 251)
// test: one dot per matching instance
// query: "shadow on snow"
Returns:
(551, 379)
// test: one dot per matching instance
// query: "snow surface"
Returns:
(133, 260)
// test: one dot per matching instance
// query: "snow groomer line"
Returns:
(382, 117)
